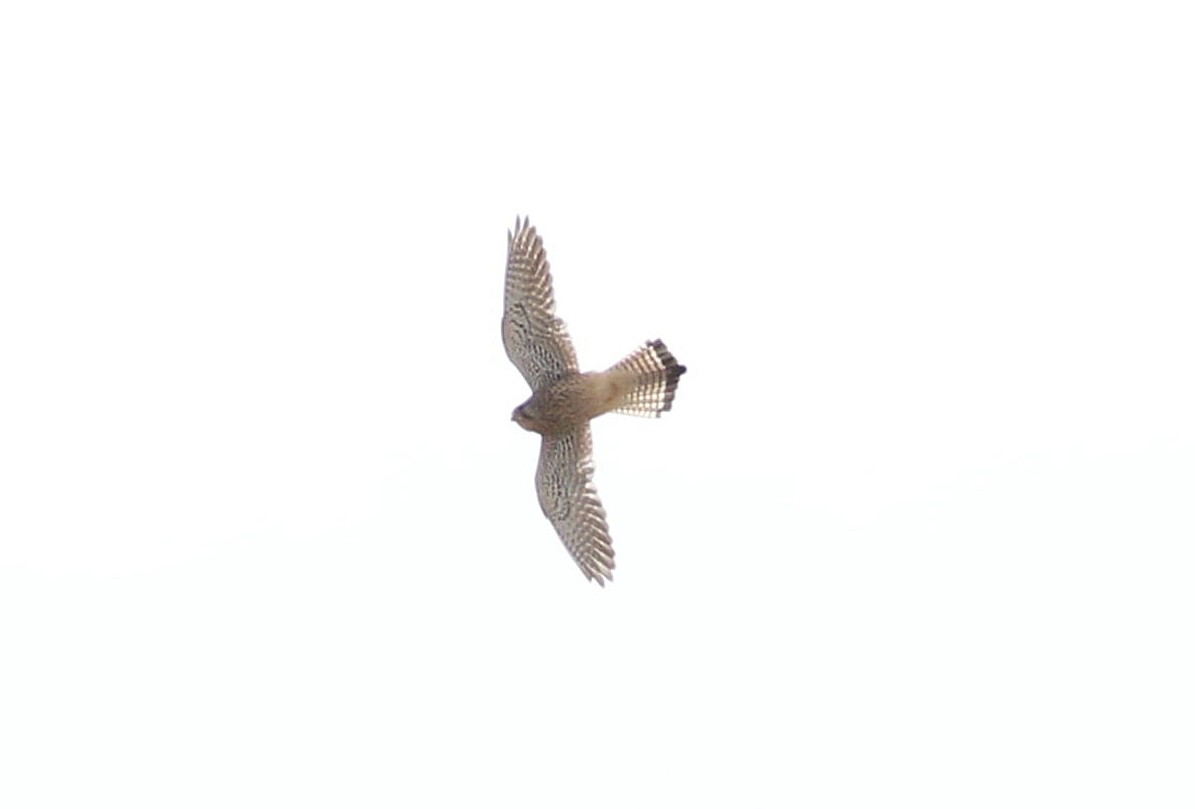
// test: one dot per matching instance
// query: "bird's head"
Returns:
(526, 415)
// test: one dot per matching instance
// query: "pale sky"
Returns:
(918, 531)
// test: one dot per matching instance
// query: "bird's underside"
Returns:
(564, 400)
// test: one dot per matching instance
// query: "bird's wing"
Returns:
(536, 340)
(564, 483)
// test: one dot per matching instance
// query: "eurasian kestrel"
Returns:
(563, 400)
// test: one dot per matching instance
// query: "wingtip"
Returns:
(600, 574)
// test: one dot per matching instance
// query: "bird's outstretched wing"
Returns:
(564, 482)
(536, 340)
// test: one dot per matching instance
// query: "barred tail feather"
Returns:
(651, 374)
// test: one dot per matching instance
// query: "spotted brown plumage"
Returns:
(564, 400)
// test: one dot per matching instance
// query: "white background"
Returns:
(918, 531)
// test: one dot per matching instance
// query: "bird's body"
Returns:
(567, 403)
(564, 400)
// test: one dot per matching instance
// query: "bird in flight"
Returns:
(563, 400)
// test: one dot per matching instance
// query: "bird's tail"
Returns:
(648, 379)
